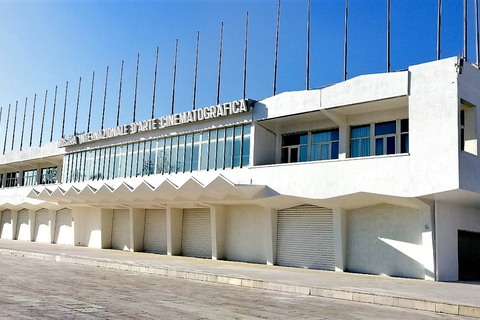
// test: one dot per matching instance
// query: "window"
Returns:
(48, 175)
(468, 127)
(383, 138)
(310, 146)
(11, 179)
(29, 177)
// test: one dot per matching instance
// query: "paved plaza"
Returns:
(35, 289)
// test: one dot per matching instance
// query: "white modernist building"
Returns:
(378, 174)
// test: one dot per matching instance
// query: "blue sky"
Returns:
(46, 43)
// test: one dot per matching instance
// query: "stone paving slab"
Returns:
(450, 298)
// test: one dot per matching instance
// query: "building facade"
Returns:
(378, 174)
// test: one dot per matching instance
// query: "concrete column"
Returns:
(20, 178)
(53, 223)
(76, 229)
(343, 141)
(137, 227)
(340, 238)
(271, 235)
(218, 220)
(106, 227)
(39, 174)
(14, 215)
(174, 230)
(427, 220)
(59, 172)
(31, 223)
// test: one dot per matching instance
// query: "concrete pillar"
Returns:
(340, 238)
(343, 141)
(218, 220)
(428, 225)
(14, 215)
(174, 230)
(271, 235)
(31, 223)
(137, 227)
(76, 227)
(106, 228)
(52, 214)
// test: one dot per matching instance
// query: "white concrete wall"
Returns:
(262, 137)
(87, 227)
(245, 234)
(385, 240)
(450, 218)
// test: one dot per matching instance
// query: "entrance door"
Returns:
(468, 256)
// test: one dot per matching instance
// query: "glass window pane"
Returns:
(220, 148)
(173, 157)
(246, 146)
(303, 153)
(404, 125)
(212, 150)
(365, 152)
(237, 144)
(228, 148)
(166, 156)
(284, 155)
(196, 151)
(391, 145)
(379, 146)
(294, 154)
(325, 150)
(404, 143)
(355, 148)
(334, 150)
(160, 157)
(181, 153)
(188, 153)
(361, 131)
(383, 128)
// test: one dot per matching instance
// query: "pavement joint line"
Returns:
(331, 293)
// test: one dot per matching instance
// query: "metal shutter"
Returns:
(23, 227)
(305, 238)
(155, 236)
(121, 230)
(468, 256)
(196, 233)
(63, 227)
(42, 226)
(6, 225)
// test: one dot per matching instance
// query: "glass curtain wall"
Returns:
(217, 149)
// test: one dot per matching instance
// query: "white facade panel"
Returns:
(155, 235)
(196, 233)
(23, 225)
(121, 230)
(42, 226)
(6, 225)
(305, 238)
(63, 227)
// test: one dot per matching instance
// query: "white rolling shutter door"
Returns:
(6, 225)
(42, 226)
(63, 227)
(305, 238)
(121, 230)
(23, 228)
(155, 236)
(196, 233)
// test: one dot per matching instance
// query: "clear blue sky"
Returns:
(46, 43)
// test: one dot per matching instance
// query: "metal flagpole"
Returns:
(196, 69)
(91, 99)
(23, 124)
(43, 118)
(119, 95)
(6, 130)
(308, 48)
(33, 118)
(104, 98)
(174, 75)
(476, 32)
(276, 51)
(64, 110)
(53, 114)
(14, 123)
(388, 35)
(345, 44)
(219, 64)
(136, 83)
(154, 85)
(78, 101)
(439, 25)
(245, 56)
(465, 29)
